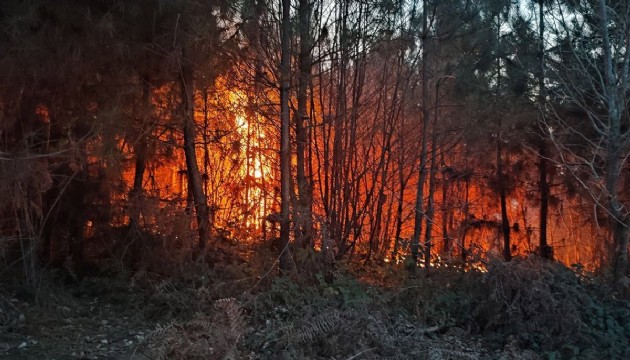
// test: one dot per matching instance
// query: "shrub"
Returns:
(547, 307)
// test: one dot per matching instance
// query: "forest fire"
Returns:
(471, 154)
(255, 170)
(360, 158)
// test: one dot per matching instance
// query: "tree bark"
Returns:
(402, 185)
(543, 185)
(136, 192)
(505, 222)
(619, 221)
(446, 243)
(195, 182)
(431, 203)
(285, 143)
(419, 206)
(303, 210)
(543, 189)
(614, 92)
(466, 220)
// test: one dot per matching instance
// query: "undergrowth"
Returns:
(549, 308)
(240, 308)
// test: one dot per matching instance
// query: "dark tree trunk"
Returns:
(376, 223)
(419, 206)
(136, 193)
(303, 218)
(543, 188)
(466, 222)
(615, 95)
(430, 205)
(285, 144)
(620, 263)
(618, 220)
(402, 181)
(505, 222)
(543, 185)
(445, 214)
(195, 182)
(398, 230)
(399, 207)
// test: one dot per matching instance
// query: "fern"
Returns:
(235, 317)
(454, 354)
(203, 337)
(236, 324)
(321, 325)
(166, 337)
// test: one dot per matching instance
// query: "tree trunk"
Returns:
(136, 191)
(285, 144)
(614, 91)
(543, 185)
(543, 189)
(505, 222)
(402, 183)
(376, 223)
(466, 221)
(445, 214)
(136, 195)
(303, 218)
(419, 206)
(430, 205)
(619, 221)
(620, 263)
(192, 169)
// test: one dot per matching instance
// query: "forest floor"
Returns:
(527, 309)
(99, 319)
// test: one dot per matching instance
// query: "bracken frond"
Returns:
(234, 315)
(236, 324)
(451, 354)
(318, 326)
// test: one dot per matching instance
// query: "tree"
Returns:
(55, 56)
(192, 168)
(303, 216)
(419, 214)
(285, 141)
(543, 154)
(593, 76)
(198, 34)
